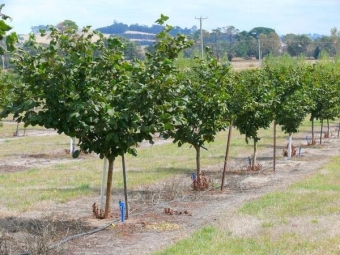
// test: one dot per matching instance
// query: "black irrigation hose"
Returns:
(67, 239)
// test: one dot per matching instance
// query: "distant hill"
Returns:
(121, 28)
(143, 34)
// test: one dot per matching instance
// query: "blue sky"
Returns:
(285, 16)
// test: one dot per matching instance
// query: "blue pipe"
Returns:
(193, 176)
(122, 207)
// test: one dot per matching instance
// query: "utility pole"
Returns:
(257, 36)
(201, 19)
(260, 64)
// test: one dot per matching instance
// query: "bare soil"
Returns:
(161, 215)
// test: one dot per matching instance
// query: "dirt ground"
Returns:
(163, 214)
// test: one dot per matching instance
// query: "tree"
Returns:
(230, 33)
(67, 24)
(335, 35)
(290, 79)
(327, 44)
(270, 44)
(205, 111)
(254, 110)
(297, 44)
(86, 89)
(317, 52)
(324, 92)
(261, 30)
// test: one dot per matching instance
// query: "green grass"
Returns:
(211, 240)
(61, 181)
(317, 195)
(315, 198)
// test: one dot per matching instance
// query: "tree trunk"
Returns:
(274, 152)
(17, 131)
(108, 189)
(290, 146)
(198, 163)
(226, 154)
(312, 130)
(254, 162)
(321, 131)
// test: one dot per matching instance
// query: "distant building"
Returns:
(140, 37)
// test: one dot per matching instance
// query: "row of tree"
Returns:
(86, 89)
(119, 28)
(227, 42)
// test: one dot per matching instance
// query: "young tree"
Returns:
(205, 110)
(290, 79)
(324, 92)
(86, 89)
(254, 110)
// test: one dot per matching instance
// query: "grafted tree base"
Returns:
(200, 183)
(97, 213)
(256, 167)
(285, 151)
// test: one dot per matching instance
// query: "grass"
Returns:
(317, 195)
(305, 204)
(64, 180)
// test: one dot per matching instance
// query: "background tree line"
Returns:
(226, 42)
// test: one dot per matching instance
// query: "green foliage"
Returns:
(204, 111)
(253, 112)
(66, 25)
(10, 39)
(324, 89)
(262, 30)
(86, 89)
(8, 81)
(290, 81)
(298, 44)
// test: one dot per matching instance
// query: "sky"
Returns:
(285, 16)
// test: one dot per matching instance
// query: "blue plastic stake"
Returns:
(299, 151)
(193, 176)
(122, 206)
(307, 140)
